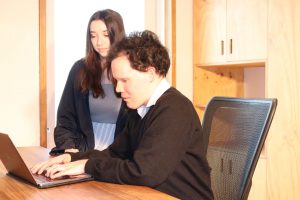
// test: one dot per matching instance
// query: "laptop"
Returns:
(17, 168)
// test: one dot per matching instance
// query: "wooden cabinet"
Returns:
(246, 30)
(216, 81)
(230, 31)
(229, 38)
(277, 174)
(211, 20)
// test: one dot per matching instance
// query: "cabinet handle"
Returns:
(230, 46)
(222, 47)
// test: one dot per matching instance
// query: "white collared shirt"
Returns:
(161, 88)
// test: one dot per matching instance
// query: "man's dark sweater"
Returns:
(163, 150)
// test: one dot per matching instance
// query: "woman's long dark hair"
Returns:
(90, 77)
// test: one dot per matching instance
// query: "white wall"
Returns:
(19, 64)
(70, 30)
(19, 71)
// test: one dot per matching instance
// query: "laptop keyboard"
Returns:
(42, 178)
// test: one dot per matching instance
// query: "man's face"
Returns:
(134, 86)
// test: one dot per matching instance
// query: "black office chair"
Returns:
(236, 129)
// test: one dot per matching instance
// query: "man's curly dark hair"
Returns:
(143, 49)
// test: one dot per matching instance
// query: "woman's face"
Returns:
(99, 37)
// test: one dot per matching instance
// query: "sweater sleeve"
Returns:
(167, 130)
(65, 132)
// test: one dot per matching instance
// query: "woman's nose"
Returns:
(99, 42)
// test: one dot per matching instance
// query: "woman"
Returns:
(90, 115)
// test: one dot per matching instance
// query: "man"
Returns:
(161, 146)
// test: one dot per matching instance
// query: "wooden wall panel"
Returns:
(283, 82)
(43, 74)
(217, 81)
(258, 189)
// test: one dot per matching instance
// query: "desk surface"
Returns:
(11, 188)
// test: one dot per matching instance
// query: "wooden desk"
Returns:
(11, 188)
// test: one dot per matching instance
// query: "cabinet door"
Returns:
(246, 30)
(211, 25)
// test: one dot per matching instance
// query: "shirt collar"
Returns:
(160, 89)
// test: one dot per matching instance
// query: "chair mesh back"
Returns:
(237, 129)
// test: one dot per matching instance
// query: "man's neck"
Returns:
(161, 87)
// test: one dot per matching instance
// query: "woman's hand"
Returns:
(42, 167)
(68, 169)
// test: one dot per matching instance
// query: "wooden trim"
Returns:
(174, 43)
(245, 64)
(43, 74)
(196, 30)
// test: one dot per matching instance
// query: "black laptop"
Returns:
(16, 167)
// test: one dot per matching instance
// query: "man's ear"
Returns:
(151, 71)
